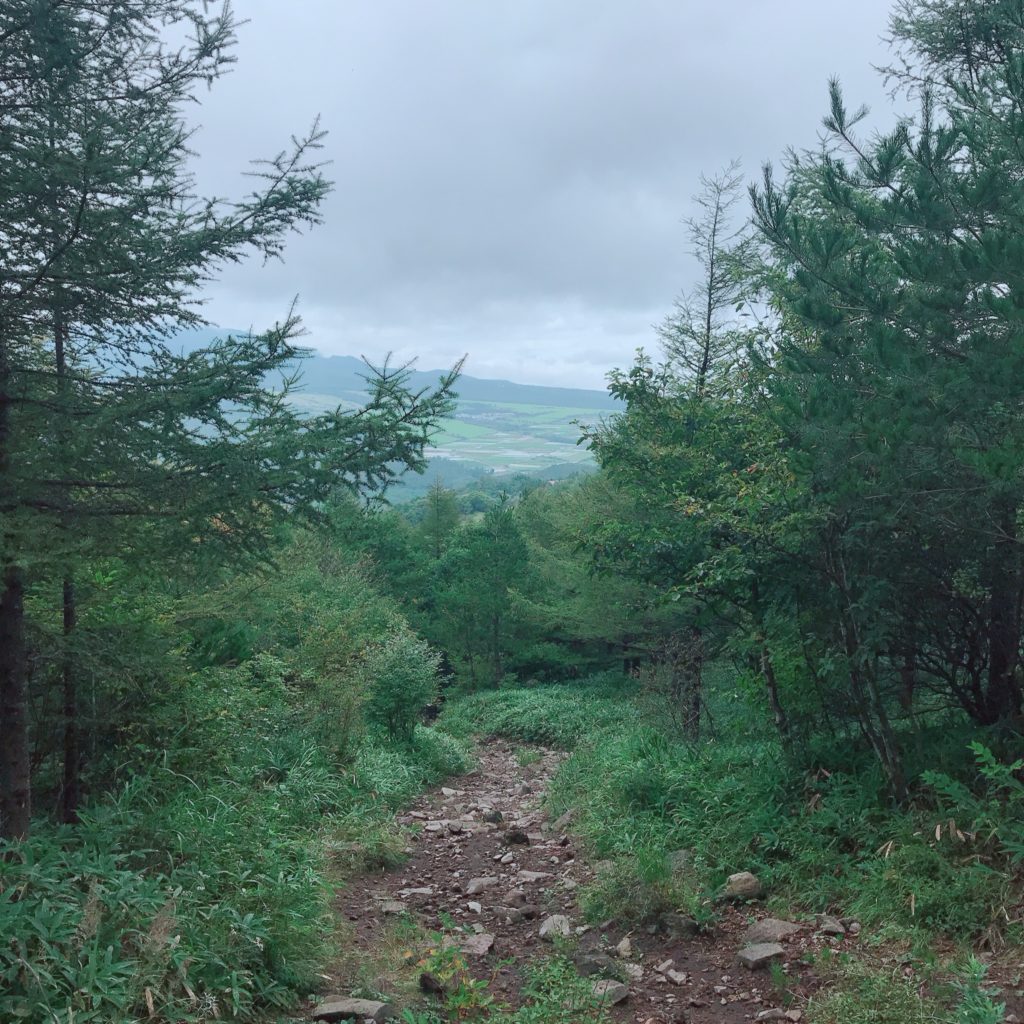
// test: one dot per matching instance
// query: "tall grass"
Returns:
(194, 903)
(820, 831)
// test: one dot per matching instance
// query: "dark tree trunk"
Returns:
(15, 771)
(496, 652)
(772, 686)
(71, 791)
(1002, 693)
(908, 679)
(696, 684)
(15, 766)
(870, 705)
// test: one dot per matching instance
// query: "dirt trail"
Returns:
(525, 871)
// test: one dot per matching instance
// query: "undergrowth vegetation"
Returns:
(556, 716)
(196, 884)
(823, 834)
(666, 820)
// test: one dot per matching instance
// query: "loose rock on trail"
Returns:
(487, 858)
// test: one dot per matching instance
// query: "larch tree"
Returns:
(699, 336)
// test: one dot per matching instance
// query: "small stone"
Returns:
(476, 885)
(853, 928)
(743, 886)
(507, 858)
(794, 1015)
(556, 926)
(478, 945)
(516, 837)
(515, 898)
(633, 971)
(533, 876)
(393, 907)
(679, 925)
(337, 1008)
(679, 861)
(677, 977)
(593, 963)
(455, 827)
(493, 817)
(475, 907)
(774, 1014)
(829, 925)
(445, 791)
(771, 929)
(664, 966)
(610, 992)
(624, 949)
(562, 823)
(760, 955)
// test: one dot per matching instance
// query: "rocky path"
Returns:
(501, 880)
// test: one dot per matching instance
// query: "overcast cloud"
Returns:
(511, 174)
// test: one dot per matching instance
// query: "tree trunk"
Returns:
(1002, 693)
(71, 788)
(864, 685)
(908, 679)
(496, 643)
(15, 767)
(71, 792)
(696, 683)
(772, 686)
(15, 772)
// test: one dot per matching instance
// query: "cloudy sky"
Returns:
(511, 175)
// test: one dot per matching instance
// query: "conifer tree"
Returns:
(700, 336)
(896, 382)
(106, 246)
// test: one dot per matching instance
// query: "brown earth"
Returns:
(451, 844)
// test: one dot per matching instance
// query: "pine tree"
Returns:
(896, 382)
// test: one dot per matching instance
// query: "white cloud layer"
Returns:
(510, 175)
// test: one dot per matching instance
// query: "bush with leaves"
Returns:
(400, 677)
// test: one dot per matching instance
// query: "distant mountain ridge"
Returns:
(497, 426)
(328, 374)
(343, 376)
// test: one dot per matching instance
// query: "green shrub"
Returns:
(977, 1002)
(400, 679)
(209, 903)
(554, 993)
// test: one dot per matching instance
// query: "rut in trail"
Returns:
(503, 879)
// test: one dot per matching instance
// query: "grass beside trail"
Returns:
(208, 902)
(556, 716)
(670, 820)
